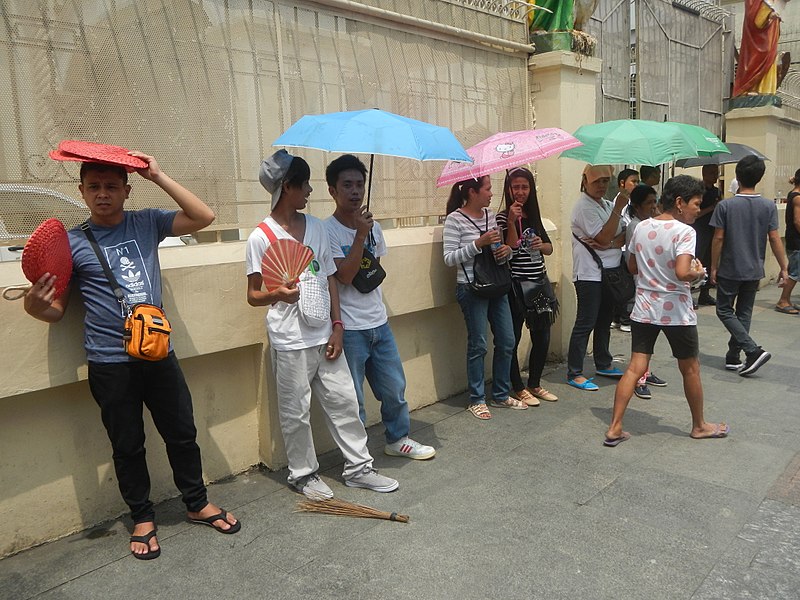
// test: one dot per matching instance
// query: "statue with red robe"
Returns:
(757, 68)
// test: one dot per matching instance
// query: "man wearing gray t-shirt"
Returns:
(121, 384)
(742, 226)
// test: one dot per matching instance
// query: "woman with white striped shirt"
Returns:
(470, 226)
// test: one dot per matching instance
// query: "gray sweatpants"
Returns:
(298, 373)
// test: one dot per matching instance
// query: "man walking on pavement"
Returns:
(743, 224)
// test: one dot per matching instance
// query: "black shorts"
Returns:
(682, 339)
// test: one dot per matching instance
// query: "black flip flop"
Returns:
(145, 539)
(220, 516)
(613, 442)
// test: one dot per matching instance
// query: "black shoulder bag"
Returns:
(490, 279)
(370, 273)
(617, 281)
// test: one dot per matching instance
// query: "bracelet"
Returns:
(337, 322)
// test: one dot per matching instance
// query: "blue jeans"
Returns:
(372, 353)
(477, 311)
(593, 314)
(737, 320)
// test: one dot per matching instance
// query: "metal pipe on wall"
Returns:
(387, 15)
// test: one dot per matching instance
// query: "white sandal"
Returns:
(510, 403)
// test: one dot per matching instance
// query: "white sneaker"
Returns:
(313, 488)
(370, 479)
(410, 449)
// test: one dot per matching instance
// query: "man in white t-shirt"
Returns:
(307, 353)
(369, 345)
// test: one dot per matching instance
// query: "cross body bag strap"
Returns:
(592, 252)
(120, 296)
(268, 232)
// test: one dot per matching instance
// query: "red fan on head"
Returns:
(283, 263)
(80, 151)
(47, 251)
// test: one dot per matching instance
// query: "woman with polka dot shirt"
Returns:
(662, 257)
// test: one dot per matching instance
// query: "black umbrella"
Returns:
(738, 152)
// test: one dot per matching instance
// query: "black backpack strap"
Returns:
(462, 213)
(118, 293)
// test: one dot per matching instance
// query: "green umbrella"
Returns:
(642, 142)
(706, 143)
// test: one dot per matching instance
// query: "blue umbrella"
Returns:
(373, 131)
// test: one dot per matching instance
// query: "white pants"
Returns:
(298, 373)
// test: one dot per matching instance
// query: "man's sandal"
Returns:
(145, 539)
(222, 516)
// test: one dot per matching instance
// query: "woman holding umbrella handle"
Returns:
(470, 226)
(525, 233)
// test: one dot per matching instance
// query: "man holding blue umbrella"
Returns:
(356, 242)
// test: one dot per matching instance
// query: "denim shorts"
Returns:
(794, 265)
(682, 339)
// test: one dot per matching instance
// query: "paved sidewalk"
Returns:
(527, 505)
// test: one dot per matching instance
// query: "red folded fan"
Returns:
(283, 263)
(81, 151)
(48, 251)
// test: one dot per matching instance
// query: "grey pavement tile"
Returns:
(727, 462)
(680, 504)
(731, 583)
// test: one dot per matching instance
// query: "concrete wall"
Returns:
(563, 89)
(55, 465)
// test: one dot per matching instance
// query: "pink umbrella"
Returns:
(506, 150)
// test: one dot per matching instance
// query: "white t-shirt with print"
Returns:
(661, 298)
(359, 311)
(286, 330)
(588, 219)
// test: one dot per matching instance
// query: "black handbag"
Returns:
(617, 281)
(490, 280)
(537, 301)
(370, 273)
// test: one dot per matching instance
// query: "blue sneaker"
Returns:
(587, 385)
(612, 372)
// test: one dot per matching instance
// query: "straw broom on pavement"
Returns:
(343, 508)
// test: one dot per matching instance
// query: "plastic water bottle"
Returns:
(526, 242)
(496, 245)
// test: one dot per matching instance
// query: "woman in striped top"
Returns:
(470, 226)
(525, 234)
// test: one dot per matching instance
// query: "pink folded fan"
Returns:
(47, 251)
(283, 263)
(82, 151)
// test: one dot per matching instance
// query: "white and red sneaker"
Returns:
(410, 449)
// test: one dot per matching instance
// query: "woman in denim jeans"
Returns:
(470, 226)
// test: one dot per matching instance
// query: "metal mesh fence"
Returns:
(677, 64)
(206, 86)
(611, 26)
